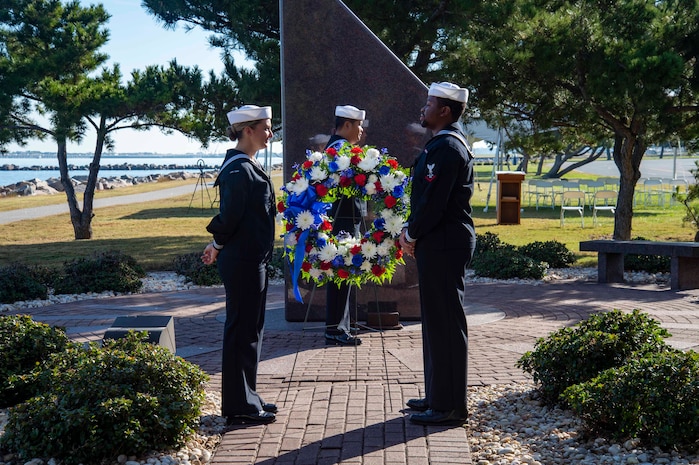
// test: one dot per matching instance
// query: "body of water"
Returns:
(43, 168)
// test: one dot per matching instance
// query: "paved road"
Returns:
(48, 210)
(650, 168)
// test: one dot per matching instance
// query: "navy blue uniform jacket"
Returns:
(245, 224)
(442, 186)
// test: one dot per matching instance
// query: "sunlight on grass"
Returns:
(156, 232)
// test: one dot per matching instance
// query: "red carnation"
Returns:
(345, 181)
(331, 151)
(378, 236)
(296, 176)
(342, 274)
(289, 226)
(399, 254)
(390, 201)
(392, 163)
(356, 249)
(325, 266)
(309, 247)
(356, 149)
(305, 266)
(378, 270)
(355, 160)
(321, 190)
(326, 226)
(281, 207)
(379, 187)
(360, 179)
(307, 164)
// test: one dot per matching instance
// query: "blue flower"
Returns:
(357, 260)
(338, 261)
(379, 223)
(333, 167)
(384, 170)
(398, 191)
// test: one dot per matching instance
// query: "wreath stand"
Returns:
(380, 322)
(201, 181)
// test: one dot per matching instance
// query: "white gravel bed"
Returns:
(508, 425)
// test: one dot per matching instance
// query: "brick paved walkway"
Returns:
(345, 404)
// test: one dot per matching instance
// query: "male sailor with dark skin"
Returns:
(243, 241)
(440, 235)
(346, 214)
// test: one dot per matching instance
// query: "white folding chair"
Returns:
(603, 201)
(653, 188)
(573, 201)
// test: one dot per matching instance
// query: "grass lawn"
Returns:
(154, 233)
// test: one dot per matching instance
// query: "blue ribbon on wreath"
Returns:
(297, 204)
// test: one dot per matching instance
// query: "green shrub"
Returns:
(655, 399)
(106, 271)
(555, 253)
(275, 267)
(574, 355)
(21, 282)
(507, 263)
(647, 263)
(487, 242)
(24, 344)
(191, 267)
(127, 397)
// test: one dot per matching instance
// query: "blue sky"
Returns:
(137, 40)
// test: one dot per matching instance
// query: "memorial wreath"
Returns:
(314, 253)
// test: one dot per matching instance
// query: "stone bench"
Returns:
(684, 259)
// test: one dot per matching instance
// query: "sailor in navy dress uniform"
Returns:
(347, 214)
(441, 235)
(243, 234)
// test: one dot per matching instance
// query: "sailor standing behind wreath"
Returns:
(243, 241)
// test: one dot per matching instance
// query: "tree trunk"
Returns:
(540, 166)
(81, 225)
(89, 195)
(696, 237)
(628, 152)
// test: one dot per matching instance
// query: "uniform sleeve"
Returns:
(429, 210)
(233, 192)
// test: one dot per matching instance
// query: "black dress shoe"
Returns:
(418, 404)
(258, 418)
(438, 418)
(343, 339)
(271, 408)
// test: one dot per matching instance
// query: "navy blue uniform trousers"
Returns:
(246, 298)
(441, 274)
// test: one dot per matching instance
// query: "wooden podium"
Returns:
(509, 200)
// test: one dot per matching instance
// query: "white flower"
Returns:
(318, 173)
(343, 162)
(348, 260)
(366, 266)
(370, 188)
(298, 186)
(315, 273)
(374, 153)
(389, 181)
(279, 218)
(315, 156)
(373, 178)
(335, 178)
(304, 220)
(290, 240)
(393, 225)
(328, 253)
(384, 249)
(369, 250)
(370, 160)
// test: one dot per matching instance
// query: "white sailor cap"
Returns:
(249, 113)
(449, 91)
(350, 112)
